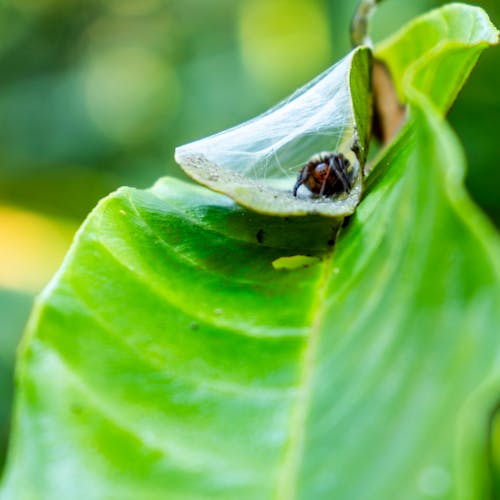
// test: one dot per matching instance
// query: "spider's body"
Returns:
(325, 174)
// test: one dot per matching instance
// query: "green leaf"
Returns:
(169, 356)
(189, 348)
(256, 163)
(164, 344)
(436, 52)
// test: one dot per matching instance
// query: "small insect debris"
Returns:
(325, 174)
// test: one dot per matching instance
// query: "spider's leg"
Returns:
(340, 165)
(300, 181)
(337, 165)
(322, 190)
(344, 166)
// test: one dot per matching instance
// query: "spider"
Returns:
(325, 174)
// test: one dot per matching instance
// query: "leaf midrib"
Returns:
(287, 476)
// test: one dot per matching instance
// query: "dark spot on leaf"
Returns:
(331, 243)
(193, 325)
(260, 235)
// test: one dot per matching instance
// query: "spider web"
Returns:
(266, 153)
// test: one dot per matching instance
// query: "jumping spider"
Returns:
(325, 174)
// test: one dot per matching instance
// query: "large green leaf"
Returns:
(169, 355)
(179, 354)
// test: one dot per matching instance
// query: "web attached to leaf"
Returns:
(257, 162)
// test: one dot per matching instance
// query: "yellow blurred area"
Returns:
(32, 247)
(129, 91)
(284, 43)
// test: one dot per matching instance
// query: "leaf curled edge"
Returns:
(436, 52)
(256, 163)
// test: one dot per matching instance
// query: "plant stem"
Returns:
(360, 20)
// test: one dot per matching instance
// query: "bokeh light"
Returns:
(129, 92)
(284, 42)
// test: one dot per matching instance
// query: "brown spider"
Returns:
(325, 174)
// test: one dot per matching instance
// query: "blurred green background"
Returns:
(97, 94)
